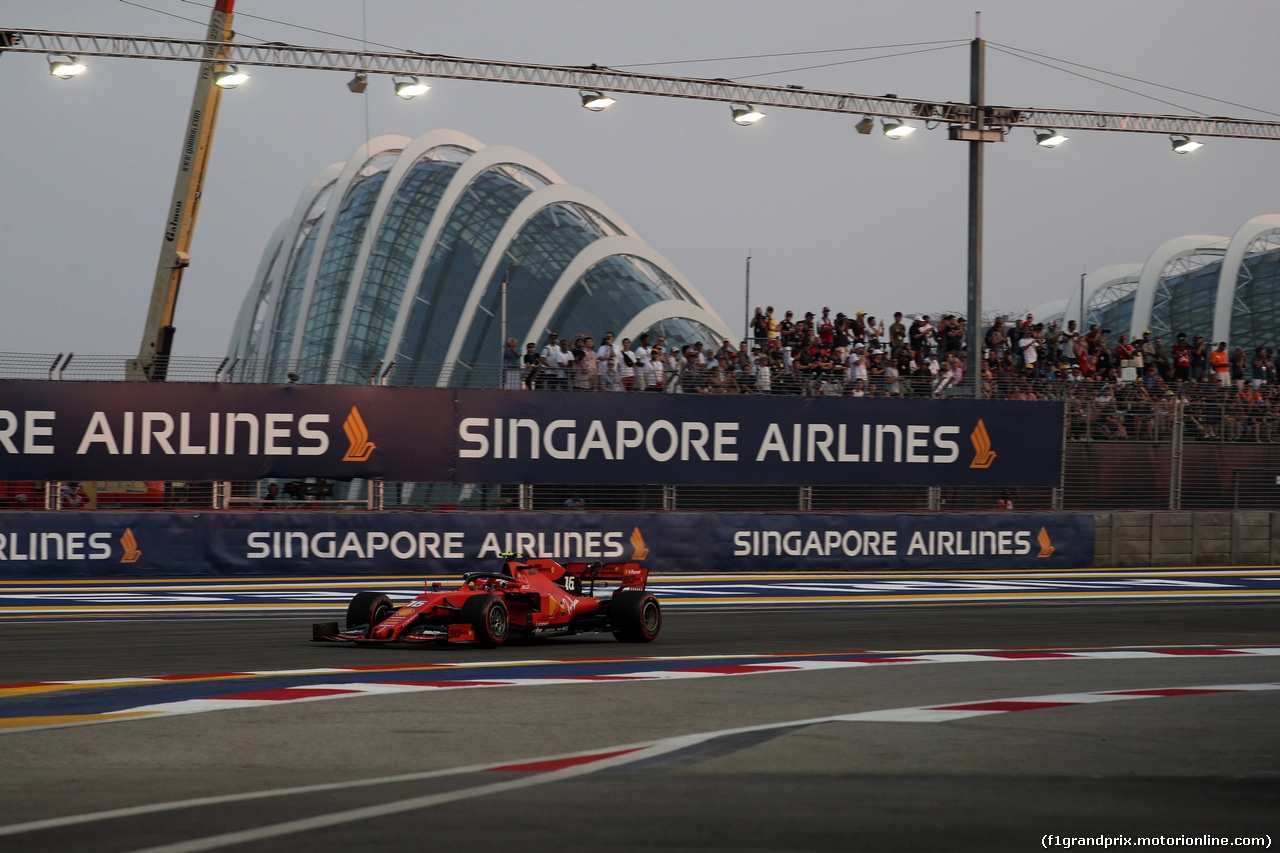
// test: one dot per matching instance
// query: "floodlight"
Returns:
(897, 129)
(865, 126)
(1184, 145)
(596, 101)
(1048, 138)
(230, 78)
(746, 115)
(358, 83)
(68, 68)
(411, 88)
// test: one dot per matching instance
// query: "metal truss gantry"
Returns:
(602, 79)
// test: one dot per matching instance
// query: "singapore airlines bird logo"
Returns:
(358, 435)
(1046, 544)
(637, 542)
(983, 455)
(130, 546)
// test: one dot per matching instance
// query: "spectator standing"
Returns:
(1068, 339)
(1161, 358)
(642, 355)
(1030, 348)
(532, 366)
(775, 328)
(657, 370)
(607, 362)
(627, 366)
(1182, 359)
(550, 358)
(1199, 358)
(897, 332)
(1258, 368)
(858, 327)
(826, 329)
(875, 334)
(858, 363)
(760, 326)
(785, 327)
(996, 341)
(1239, 364)
(1219, 360)
(1122, 355)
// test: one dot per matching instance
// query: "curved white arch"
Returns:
(526, 210)
(373, 148)
(262, 290)
(674, 309)
(608, 247)
(1153, 273)
(1094, 282)
(476, 165)
(290, 228)
(1230, 274)
(409, 156)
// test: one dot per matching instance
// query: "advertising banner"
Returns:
(173, 431)
(92, 544)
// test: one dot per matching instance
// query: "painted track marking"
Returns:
(554, 768)
(326, 684)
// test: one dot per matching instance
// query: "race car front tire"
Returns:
(368, 609)
(487, 615)
(635, 616)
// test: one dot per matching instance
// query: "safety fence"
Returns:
(1174, 474)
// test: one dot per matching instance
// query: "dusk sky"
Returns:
(830, 217)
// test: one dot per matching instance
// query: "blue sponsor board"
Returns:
(164, 431)
(86, 544)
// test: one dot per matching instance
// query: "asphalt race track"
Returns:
(820, 727)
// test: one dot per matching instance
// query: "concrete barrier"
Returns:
(1149, 539)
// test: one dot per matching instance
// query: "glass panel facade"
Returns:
(468, 234)
(395, 249)
(348, 316)
(334, 278)
(1255, 317)
(618, 287)
(1184, 302)
(290, 299)
(534, 262)
(1116, 316)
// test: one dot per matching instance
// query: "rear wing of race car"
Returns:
(625, 574)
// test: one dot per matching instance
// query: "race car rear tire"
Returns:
(368, 609)
(635, 616)
(487, 615)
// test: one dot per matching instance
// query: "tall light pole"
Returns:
(977, 81)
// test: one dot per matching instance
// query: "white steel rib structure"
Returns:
(420, 253)
(1221, 288)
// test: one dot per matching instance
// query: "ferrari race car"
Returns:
(534, 598)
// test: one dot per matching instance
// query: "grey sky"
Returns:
(830, 217)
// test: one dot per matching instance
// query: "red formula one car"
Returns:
(534, 598)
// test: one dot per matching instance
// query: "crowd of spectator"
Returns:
(1113, 387)
(858, 355)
